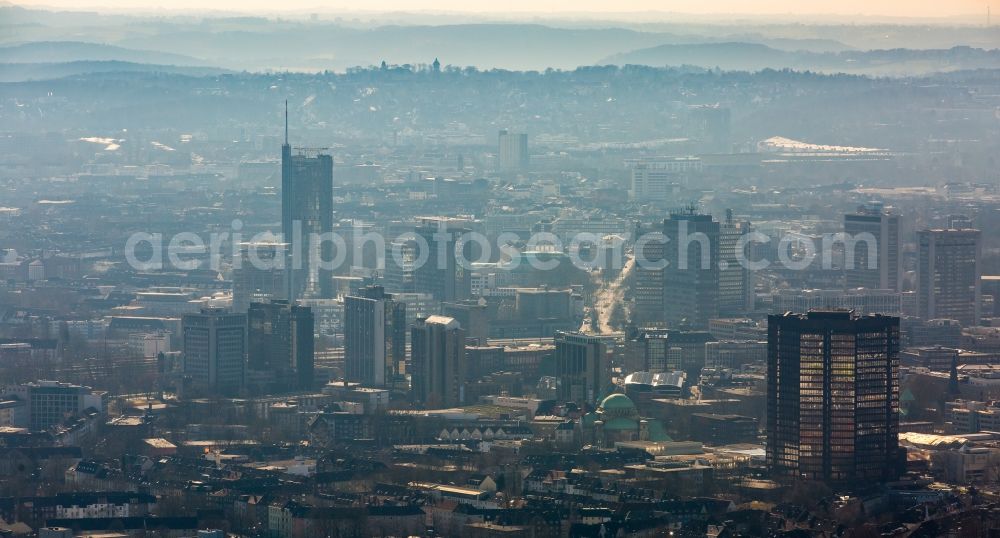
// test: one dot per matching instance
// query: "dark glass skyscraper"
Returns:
(647, 287)
(581, 367)
(306, 213)
(281, 351)
(833, 396)
(691, 276)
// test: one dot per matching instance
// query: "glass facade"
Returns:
(833, 396)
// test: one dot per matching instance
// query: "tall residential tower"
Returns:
(438, 362)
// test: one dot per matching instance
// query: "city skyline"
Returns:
(292, 272)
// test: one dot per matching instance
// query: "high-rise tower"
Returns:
(833, 396)
(582, 368)
(215, 346)
(442, 273)
(512, 151)
(281, 354)
(306, 214)
(374, 336)
(691, 275)
(948, 275)
(885, 271)
(736, 291)
(438, 361)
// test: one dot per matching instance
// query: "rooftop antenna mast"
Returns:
(286, 122)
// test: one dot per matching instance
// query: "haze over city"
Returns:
(534, 269)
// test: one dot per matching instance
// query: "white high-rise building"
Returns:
(885, 271)
(215, 348)
(660, 180)
(512, 151)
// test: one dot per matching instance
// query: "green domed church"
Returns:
(616, 420)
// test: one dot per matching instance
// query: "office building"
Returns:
(917, 332)
(440, 273)
(967, 416)
(647, 283)
(483, 360)
(582, 367)
(535, 304)
(736, 290)
(660, 180)
(990, 285)
(306, 214)
(281, 352)
(718, 430)
(647, 350)
(833, 396)
(960, 222)
(660, 355)
(687, 349)
(374, 336)
(873, 231)
(260, 275)
(948, 271)
(937, 358)
(691, 275)
(43, 404)
(512, 151)
(215, 346)
(400, 261)
(664, 350)
(735, 354)
(736, 329)
(437, 362)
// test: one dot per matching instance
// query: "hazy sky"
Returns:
(899, 8)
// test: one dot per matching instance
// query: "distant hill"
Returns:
(258, 44)
(76, 51)
(330, 46)
(19, 72)
(789, 44)
(754, 57)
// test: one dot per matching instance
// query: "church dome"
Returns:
(618, 406)
(617, 402)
